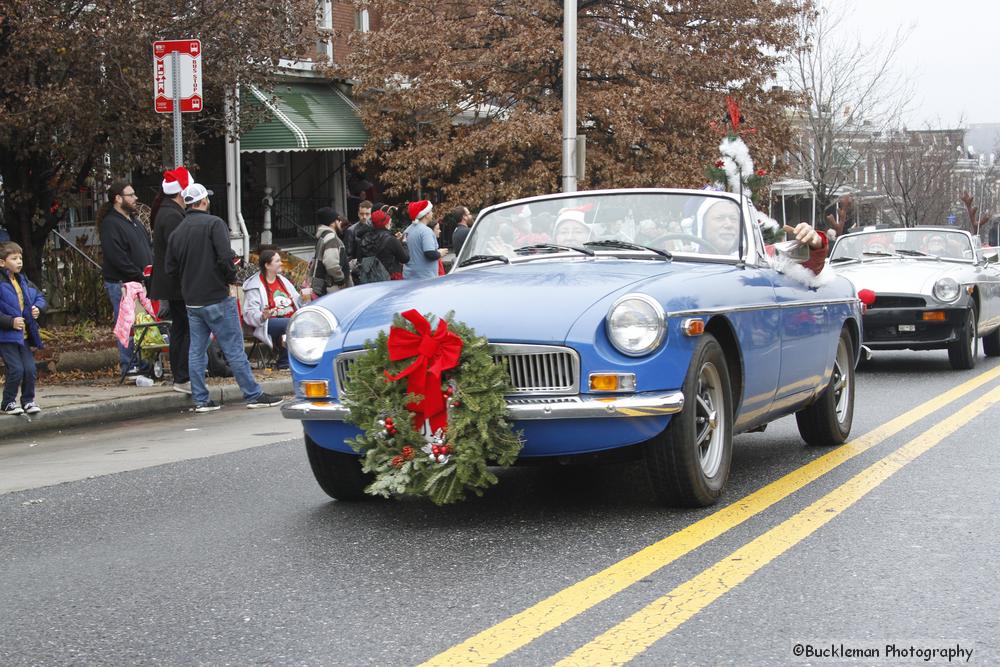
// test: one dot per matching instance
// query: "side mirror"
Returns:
(991, 256)
(792, 250)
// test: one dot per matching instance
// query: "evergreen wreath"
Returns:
(443, 455)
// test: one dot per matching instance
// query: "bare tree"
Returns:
(852, 97)
(917, 175)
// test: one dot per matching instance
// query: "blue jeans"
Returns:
(114, 291)
(276, 328)
(20, 373)
(223, 320)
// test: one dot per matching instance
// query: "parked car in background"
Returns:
(934, 288)
(624, 325)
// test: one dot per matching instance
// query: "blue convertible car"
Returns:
(650, 320)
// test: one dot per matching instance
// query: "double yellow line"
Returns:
(637, 633)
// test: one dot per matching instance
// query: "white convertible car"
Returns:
(934, 288)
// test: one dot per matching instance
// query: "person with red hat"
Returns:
(421, 242)
(385, 246)
(167, 214)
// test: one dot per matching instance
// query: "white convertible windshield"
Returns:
(681, 223)
(911, 242)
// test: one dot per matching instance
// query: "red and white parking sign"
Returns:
(189, 51)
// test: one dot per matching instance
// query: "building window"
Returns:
(324, 28)
(361, 23)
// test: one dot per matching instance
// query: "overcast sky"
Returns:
(952, 54)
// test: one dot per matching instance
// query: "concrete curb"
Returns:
(128, 407)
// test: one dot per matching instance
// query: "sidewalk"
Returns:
(71, 405)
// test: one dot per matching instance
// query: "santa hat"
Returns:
(175, 181)
(380, 220)
(568, 215)
(419, 209)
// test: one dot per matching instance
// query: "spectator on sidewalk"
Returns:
(421, 242)
(200, 256)
(331, 268)
(269, 302)
(354, 233)
(20, 305)
(167, 215)
(456, 238)
(126, 251)
(385, 246)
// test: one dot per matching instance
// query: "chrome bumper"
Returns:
(562, 407)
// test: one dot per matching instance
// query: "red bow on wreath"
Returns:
(435, 353)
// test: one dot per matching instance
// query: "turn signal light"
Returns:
(935, 315)
(315, 388)
(693, 326)
(612, 382)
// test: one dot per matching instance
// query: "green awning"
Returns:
(303, 117)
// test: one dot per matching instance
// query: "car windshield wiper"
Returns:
(872, 253)
(625, 245)
(527, 249)
(482, 259)
(913, 253)
(843, 258)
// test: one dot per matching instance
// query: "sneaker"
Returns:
(182, 387)
(265, 401)
(207, 407)
(32, 408)
(15, 409)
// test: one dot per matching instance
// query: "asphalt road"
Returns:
(148, 543)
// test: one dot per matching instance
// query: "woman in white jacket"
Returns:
(269, 301)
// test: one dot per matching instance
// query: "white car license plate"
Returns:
(908, 327)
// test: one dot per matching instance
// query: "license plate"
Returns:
(908, 327)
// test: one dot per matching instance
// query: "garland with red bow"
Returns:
(430, 403)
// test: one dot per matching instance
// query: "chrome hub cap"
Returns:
(709, 419)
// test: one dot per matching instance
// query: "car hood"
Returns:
(531, 302)
(900, 276)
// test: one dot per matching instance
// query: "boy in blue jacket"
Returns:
(20, 305)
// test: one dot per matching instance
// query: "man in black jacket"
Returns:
(199, 254)
(168, 213)
(125, 248)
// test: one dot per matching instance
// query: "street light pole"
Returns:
(569, 97)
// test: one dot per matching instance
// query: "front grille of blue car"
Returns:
(532, 369)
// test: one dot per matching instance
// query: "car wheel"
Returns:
(828, 421)
(962, 353)
(991, 344)
(338, 474)
(688, 464)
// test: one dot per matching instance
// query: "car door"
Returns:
(988, 284)
(808, 338)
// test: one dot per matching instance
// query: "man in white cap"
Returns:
(199, 254)
(167, 215)
(421, 243)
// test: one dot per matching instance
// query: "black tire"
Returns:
(338, 474)
(962, 353)
(991, 344)
(688, 464)
(828, 420)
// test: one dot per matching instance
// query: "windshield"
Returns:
(678, 223)
(912, 242)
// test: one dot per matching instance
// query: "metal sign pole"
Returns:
(569, 97)
(175, 62)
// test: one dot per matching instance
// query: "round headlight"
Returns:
(308, 333)
(946, 289)
(636, 325)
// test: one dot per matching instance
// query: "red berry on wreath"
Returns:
(446, 449)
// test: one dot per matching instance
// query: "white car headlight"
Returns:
(636, 325)
(308, 333)
(946, 289)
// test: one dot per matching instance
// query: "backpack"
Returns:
(371, 270)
